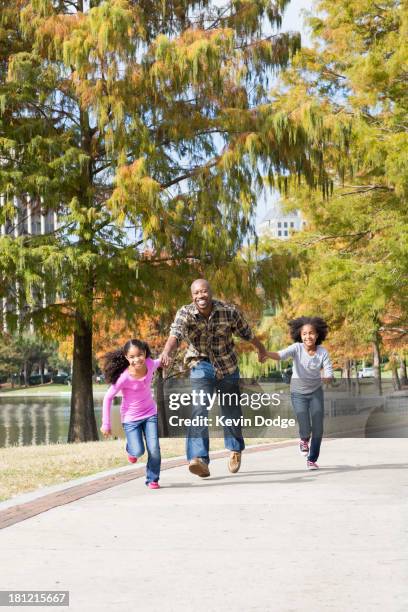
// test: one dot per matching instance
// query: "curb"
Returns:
(23, 511)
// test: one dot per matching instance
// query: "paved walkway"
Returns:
(274, 537)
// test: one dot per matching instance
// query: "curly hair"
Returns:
(115, 362)
(320, 325)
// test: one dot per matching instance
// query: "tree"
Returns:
(21, 353)
(349, 92)
(151, 118)
(10, 359)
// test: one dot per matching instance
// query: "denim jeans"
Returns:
(203, 378)
(309, 410)
(135, 432)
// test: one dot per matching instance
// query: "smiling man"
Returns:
(208, 326)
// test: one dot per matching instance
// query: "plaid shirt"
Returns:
(211, 337)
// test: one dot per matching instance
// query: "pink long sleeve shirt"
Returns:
(137, 398)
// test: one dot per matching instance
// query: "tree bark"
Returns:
(26, 373)
(347, 372)
(356, 380)
(161, 406)
(82, 425)
(403, 371)
(395, 378)
(377, 362)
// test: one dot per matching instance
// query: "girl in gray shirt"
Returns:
(306, 392)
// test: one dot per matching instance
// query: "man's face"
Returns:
(202, 296)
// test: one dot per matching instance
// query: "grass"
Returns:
(29, 468)
(48, 389)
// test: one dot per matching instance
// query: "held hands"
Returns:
(165, 359)
(262, 355)
(265, 355)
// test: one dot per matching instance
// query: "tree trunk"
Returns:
(403, 371)
(161, 406)
(42, 367)
(377, 363)
(346, 373)
(356, 380)
(395, 378)
(82, 425)
(26, 373)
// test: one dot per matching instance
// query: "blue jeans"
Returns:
(135, 431)
(203, 378)
(309, 410)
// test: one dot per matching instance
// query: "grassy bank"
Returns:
(29, 468)
(47, 389)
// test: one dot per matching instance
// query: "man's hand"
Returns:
(262, 356)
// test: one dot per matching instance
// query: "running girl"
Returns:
(130, 371)
(306, 391)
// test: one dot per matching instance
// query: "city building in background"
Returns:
(29, 220)
(279, 224)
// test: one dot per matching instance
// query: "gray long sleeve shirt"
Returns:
(306, 376)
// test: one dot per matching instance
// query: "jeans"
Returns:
(309, 410)
(203, 378)
(135, 431)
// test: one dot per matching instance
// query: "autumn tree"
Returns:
(147, 126)
(349, 91)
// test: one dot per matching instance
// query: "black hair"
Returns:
(116, 362)
(320, 325)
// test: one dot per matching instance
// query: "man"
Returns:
(208, 326)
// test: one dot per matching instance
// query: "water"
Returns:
(26, 421)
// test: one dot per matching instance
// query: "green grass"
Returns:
(49, 388)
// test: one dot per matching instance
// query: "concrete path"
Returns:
(274, 537)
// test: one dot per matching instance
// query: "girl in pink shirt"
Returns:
(130, 371)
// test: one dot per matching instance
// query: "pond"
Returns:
(26, 421)
(33, 420)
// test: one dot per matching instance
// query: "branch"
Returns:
(367, 189)
(190, 174)
(335, 74)
(357, 235)
(399, 330)
(257, 42)
(219, 18)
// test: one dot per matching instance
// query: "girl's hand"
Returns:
(105, 432)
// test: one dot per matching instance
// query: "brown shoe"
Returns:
(199, 467)
(234, 462)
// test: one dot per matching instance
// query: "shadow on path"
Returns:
(302, 475)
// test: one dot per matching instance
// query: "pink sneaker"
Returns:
(132, 459)
(304, 446)
(312, 465)
(153, 485)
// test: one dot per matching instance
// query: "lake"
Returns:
(33, 420)
(26, 421)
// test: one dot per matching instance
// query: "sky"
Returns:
(292, 21)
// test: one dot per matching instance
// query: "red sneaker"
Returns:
(153, 485)
(132, 459)
(312, 465)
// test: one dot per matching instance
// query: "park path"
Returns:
(273, 537)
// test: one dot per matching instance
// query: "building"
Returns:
(279, 224)
(29, 220)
